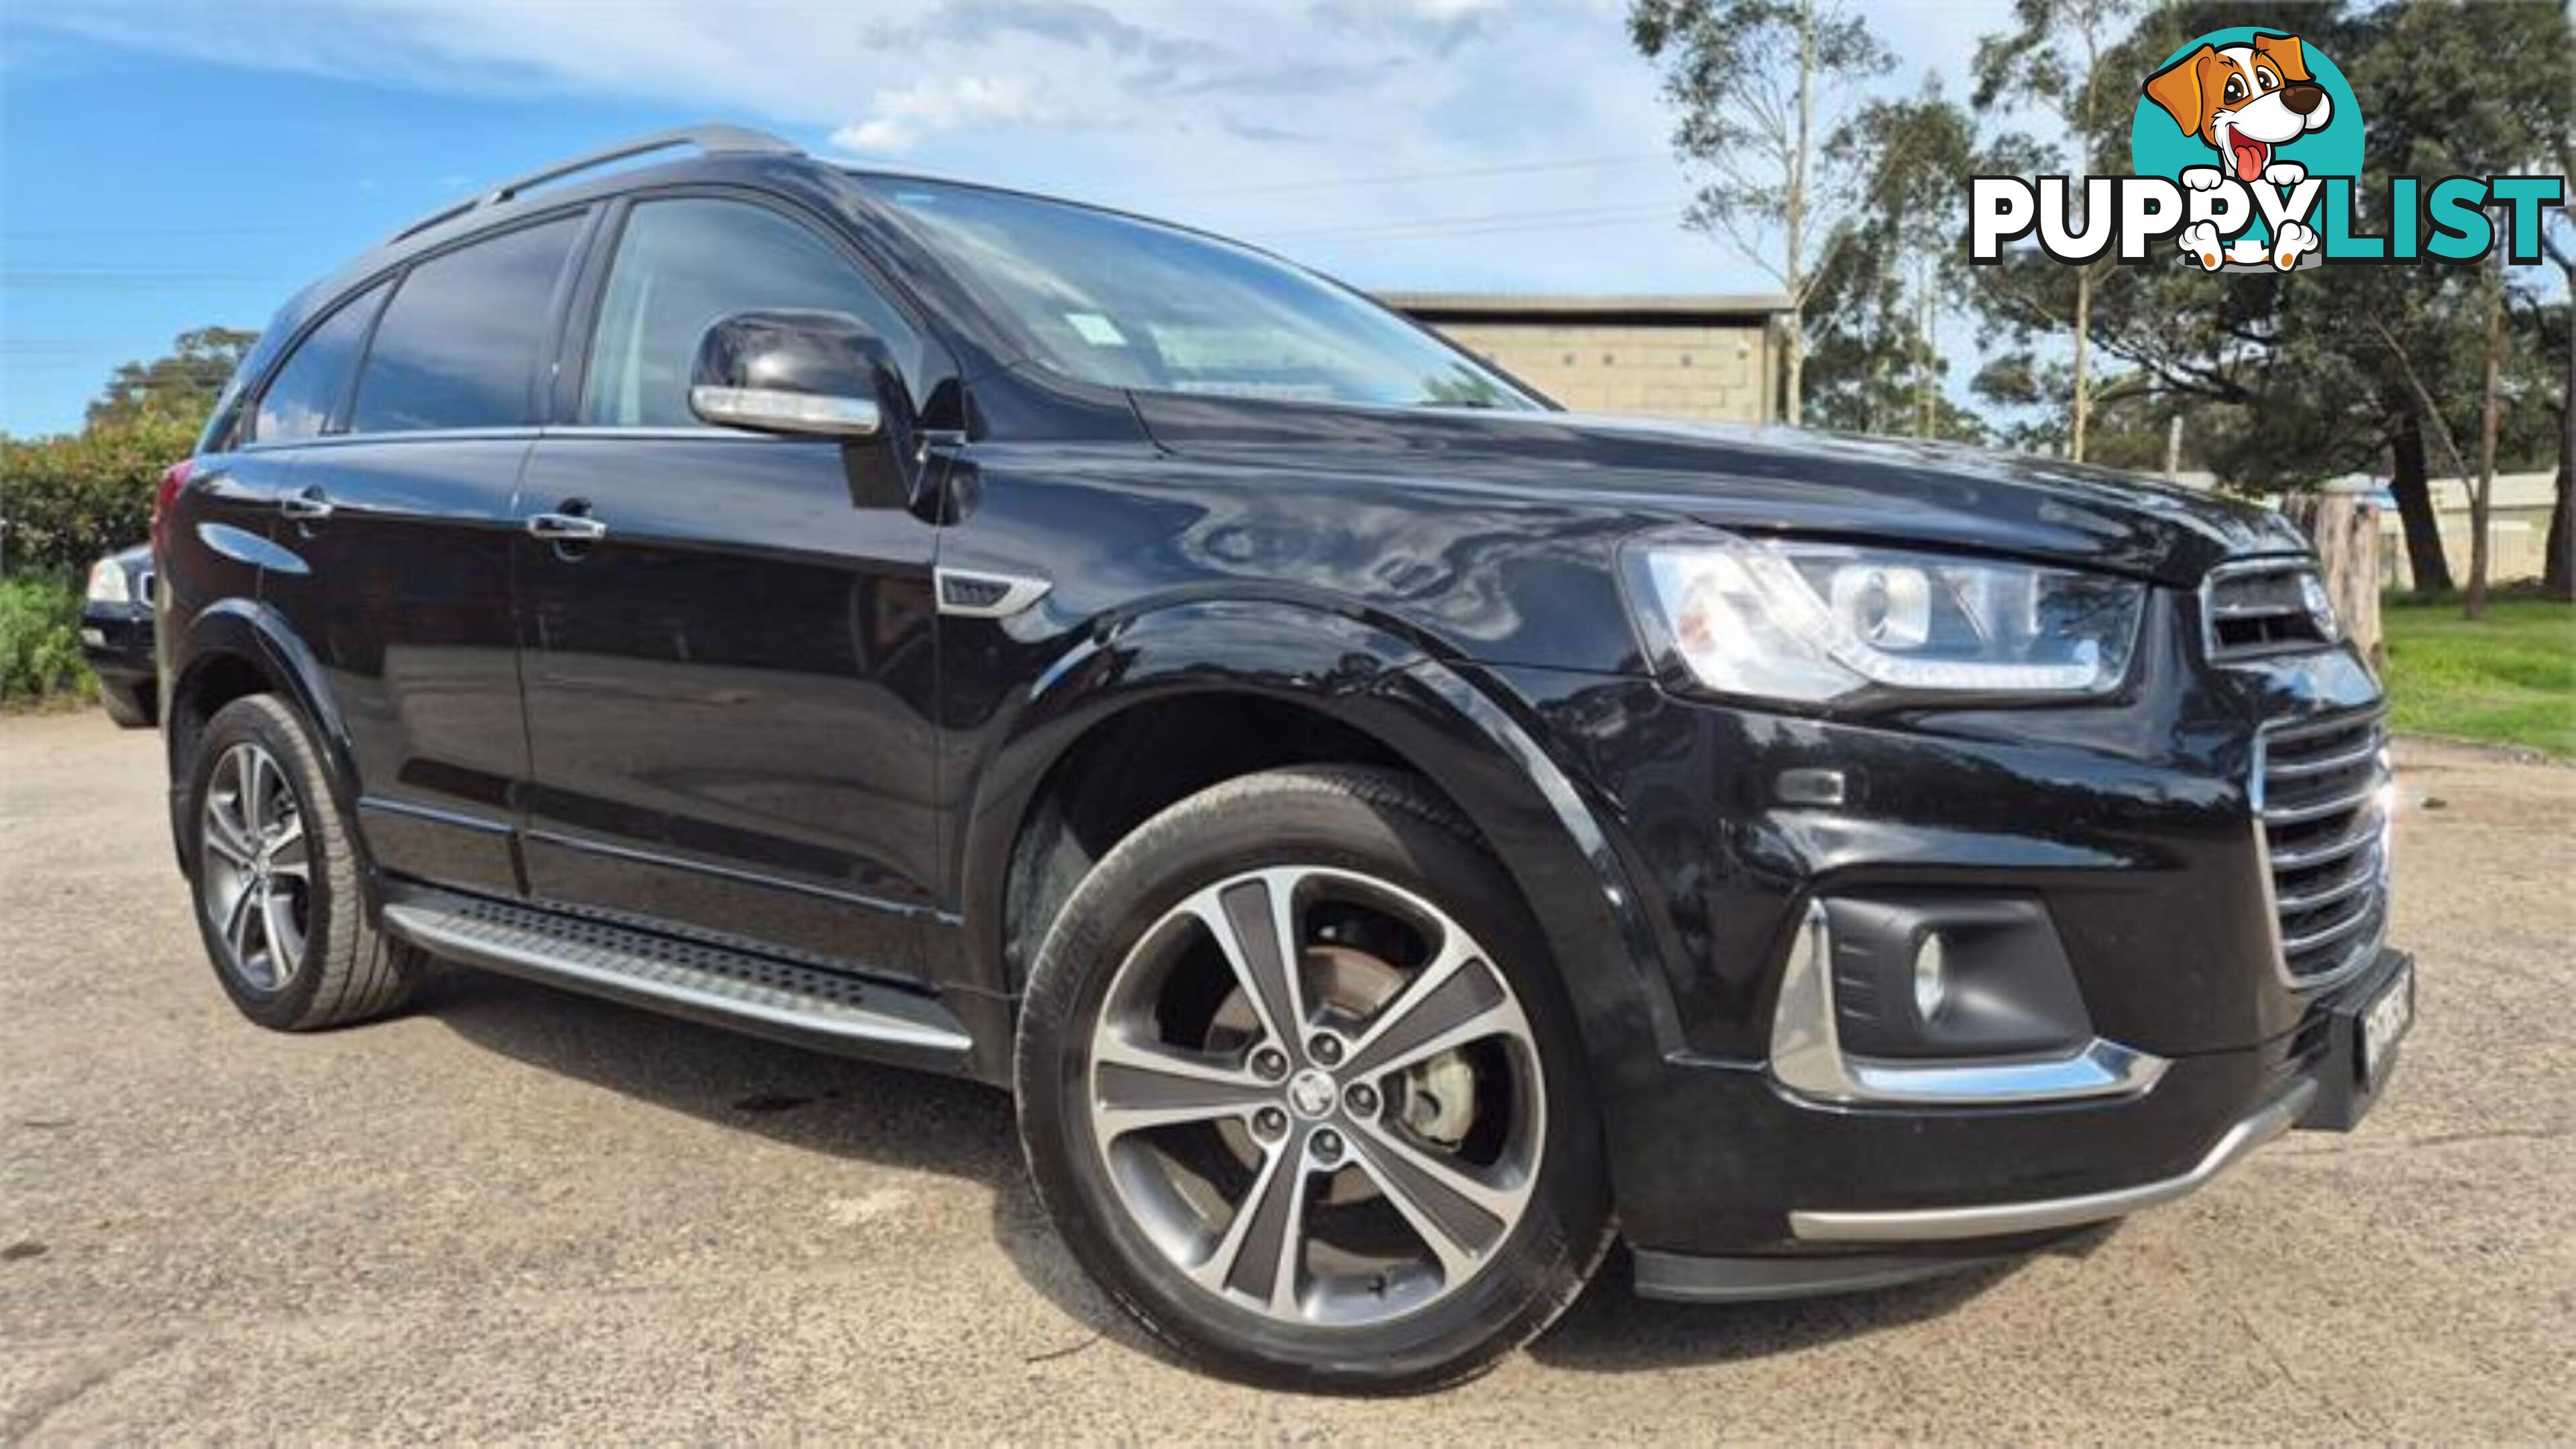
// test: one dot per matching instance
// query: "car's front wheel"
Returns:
(1296, 1083)
(277, 882)
(128, 705)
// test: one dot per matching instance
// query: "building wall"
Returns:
(2517, 529)
(2517, 540)
(1718, 373)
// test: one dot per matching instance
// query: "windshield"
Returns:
(1127, 303)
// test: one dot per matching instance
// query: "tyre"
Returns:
(129, 708)
(1298, 1085)
(276, 878)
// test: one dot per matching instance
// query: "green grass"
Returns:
(2507, 679)
(40, 653)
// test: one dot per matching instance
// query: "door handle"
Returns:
(310, 506)
(566, 527)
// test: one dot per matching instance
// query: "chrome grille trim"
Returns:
(2320, 809)
(2258, 608)
(2320, 833)
(2294, 905)
(2303, 768)
(2320, 855)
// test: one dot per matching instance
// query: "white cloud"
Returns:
(1339, 130)
(904, 117)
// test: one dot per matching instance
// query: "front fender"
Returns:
(1452, 723)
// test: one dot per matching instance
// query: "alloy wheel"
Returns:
(257, 867)
(1317, 1096)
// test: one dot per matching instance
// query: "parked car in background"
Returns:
(116, 634)
(1389, 834)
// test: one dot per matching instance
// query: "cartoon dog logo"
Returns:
(2245, 101)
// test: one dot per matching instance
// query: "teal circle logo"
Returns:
(2246, 99)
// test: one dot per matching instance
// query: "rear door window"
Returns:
(459, 344)
(300, 400)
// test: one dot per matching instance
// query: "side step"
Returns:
(760, 994)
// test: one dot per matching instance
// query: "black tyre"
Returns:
(276, 878)
(1298, 1085)
(129, 708)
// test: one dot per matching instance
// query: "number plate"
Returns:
(2383, 1022)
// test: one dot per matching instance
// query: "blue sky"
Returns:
(166, 164)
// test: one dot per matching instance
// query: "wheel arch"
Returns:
(238, 647)
(1313, 686)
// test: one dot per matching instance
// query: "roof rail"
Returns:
(714, 140)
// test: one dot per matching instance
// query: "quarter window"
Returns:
(684, 262)
(459, 344)
(299, 401)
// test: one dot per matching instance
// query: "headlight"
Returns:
(107, 583)
(1810, 623)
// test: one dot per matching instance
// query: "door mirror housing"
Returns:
(807, 374)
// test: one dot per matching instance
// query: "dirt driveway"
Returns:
(520, 1215)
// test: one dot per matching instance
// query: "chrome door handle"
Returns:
(566, 527)
(310, 506)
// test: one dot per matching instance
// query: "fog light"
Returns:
(1931, 975)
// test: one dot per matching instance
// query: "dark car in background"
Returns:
(116, 634)
(1389, 834)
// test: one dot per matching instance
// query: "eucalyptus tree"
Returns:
(1758, 88)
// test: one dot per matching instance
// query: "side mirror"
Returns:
(813, 374)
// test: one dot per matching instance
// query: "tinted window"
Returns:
(1127, 303)
(299, 400)
(683, 263)
(459, 343)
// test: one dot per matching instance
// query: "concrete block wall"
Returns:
(1707, 373)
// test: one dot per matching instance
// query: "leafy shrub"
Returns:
(40, 654)
(67, 501)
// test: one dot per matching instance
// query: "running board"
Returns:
(769, 997)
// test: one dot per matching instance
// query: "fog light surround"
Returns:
(1994, 1019)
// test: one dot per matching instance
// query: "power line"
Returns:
(1519, 168)
(1543, 226)
(1452, 224)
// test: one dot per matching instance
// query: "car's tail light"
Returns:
(173, 478)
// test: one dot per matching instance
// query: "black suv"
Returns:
(1386, 831)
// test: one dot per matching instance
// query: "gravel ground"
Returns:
(521, 1215)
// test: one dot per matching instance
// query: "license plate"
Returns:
(2383, 1023)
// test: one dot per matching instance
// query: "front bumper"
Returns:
(2128, 826)
(2049, 1214)
(2018, 1179)
(116, 639)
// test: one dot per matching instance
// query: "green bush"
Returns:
(40, 653)
(67, 501)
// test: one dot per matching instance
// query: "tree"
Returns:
(1746, 77)
(67, 500)
(1874, 364)
(2483, 99)
(182, 385)
(2286, 381)
(2053, 57)
(2558, 237)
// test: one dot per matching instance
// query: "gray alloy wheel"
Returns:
(258, 866)
(281, 891)
(1316, 1096)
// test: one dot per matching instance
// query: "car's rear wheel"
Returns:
(1296, 1083)
(276, 878)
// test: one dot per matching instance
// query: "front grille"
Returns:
(2324, 827)
(2250, 610)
